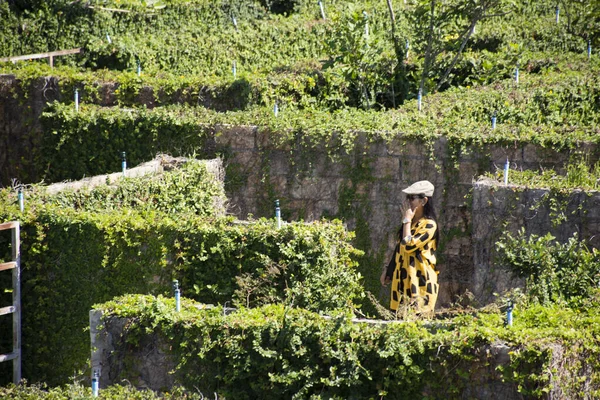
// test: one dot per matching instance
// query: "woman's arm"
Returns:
(423, 234)
(388, 271)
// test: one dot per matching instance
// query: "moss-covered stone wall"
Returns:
(312, 180)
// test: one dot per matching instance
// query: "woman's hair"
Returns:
(429, 212)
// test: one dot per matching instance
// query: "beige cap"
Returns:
(422, 187)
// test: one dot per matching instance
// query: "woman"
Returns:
(412, 268)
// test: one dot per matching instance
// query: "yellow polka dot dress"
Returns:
(412, 269)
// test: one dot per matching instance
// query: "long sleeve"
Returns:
(392, 264)
(422, 234)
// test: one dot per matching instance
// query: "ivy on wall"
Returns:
(275, 352)
(73, 258)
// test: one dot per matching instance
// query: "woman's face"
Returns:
(414, 201)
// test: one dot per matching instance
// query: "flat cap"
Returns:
(422, 187)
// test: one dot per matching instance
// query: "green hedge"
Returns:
(563, 273)
(146, 34)
(275, 352)
(72, 259)
(91, 142)
(267, 42)
(552, 109)
(188, 189)
(78, 391)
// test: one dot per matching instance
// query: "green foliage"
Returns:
(567, 273)
(128, 251)
(359, 56)
(117, 56)
(550, 109)
(188, 189)
(278, 352)
(80, 392)
(272, 36)
(145, 32)
(91, 142)
(578, 174)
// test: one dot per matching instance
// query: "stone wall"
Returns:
(147, 362)
(20, 130)
(498, 209)
(363, 187)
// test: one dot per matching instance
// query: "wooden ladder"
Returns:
(15, 309)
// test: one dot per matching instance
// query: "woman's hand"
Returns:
(384, 279)
(406, 211)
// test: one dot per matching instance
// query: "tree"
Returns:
(446, 27)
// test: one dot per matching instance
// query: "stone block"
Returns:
(146, 96)
(250, 160)
(378, 148)
(402, 146)
(238, 138)
(279, 163)
(106, 92)
(325, 167)
(467, 172)
(386, 167)
(315, 188)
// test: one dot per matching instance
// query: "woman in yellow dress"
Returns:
(412, 270)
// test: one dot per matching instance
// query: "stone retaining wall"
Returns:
(364, 187)
(468, 221)
(147, 362)
(498, 209)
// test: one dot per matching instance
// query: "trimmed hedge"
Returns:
(78, 391)
(275, 352)
(73, 259)
(91, 142)
(190, 189)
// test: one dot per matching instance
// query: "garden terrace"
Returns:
(333, 115)
(279, 352)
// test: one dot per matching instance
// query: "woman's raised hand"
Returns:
(406, 211)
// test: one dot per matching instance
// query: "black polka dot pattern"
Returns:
(413, 268)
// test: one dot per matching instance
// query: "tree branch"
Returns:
(429, 44)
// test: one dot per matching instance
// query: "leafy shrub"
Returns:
(188, 189)
(275, 352)
(578, 174)
(78, 145)
(78, 391)
(72, 259)
(116, 56)
(567, 273)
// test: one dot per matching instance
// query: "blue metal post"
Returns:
(278, 214)
(322, 10)
(95, 384)
(506, 169)
(276, 109)
(557, 13)
(419, 98)
(177, 295)
(509, 313)
(139, 68)
(76, 99)
(494, 120)
(517, 74)
(234, 69)
(589, 49)
(123, 163)
(21, 200)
